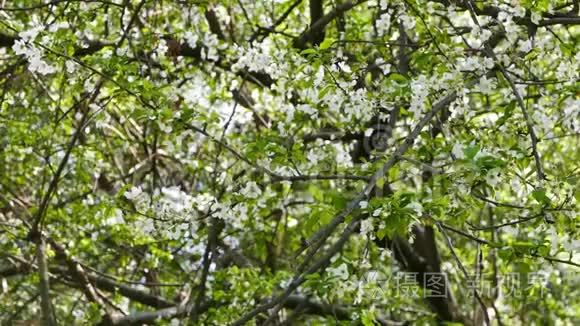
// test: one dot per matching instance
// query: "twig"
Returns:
(44, 285)
(465, 234)
(317, 27)
(429, 167)
(557, 260)
(208, 257)
(278, 21)
(38, 217)
(499, 226)
(280, 178)
(464, 271)
(130, 24)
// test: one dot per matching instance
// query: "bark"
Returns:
(47, 315)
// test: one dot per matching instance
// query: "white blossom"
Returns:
(251, 190)
(536, 17)
(519, 11)
(133, 193)
(492, 177)
(34, 57)
(525, 46)
(20, 47)
(417, 207)
(571, 245)
(485, 86)
(383, 24)
(30, 34)
(408, 21)
(60, 25)
(340, 272)
(367, 228)
(457, 151)
(115, 218)
(71, 66)
(191, 39)
(319, 76)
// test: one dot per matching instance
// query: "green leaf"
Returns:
(488, 162)
(320, 215)
(313, 276)
(367, 318)
(470, 151)
(328, 42)
(316, 192)
(522, 246)
(381, 233)
(311, 221)
(396, 77)
(308, 51)
(541, 197)
(505, 253)
(325, 91)
(381, 182)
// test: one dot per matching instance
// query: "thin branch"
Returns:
(280, 178)
(106, 284)
(272, 28)
(311, 307)
(230, 149)
(499, 226)
(557, 260)
(464, 271)
(208, 257)
(38, 217)
(560, 21)
(76, 270)
(130, 24)
(44, 285)
(320, 25)
(465, 234)
(429, 167)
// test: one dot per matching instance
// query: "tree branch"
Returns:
(316, 13)
(44, 285)
(464, 271)
(319, 26)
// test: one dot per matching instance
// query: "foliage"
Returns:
(299, 162)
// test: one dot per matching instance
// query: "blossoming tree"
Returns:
(289, 162)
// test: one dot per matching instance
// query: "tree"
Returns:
(289, 162)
